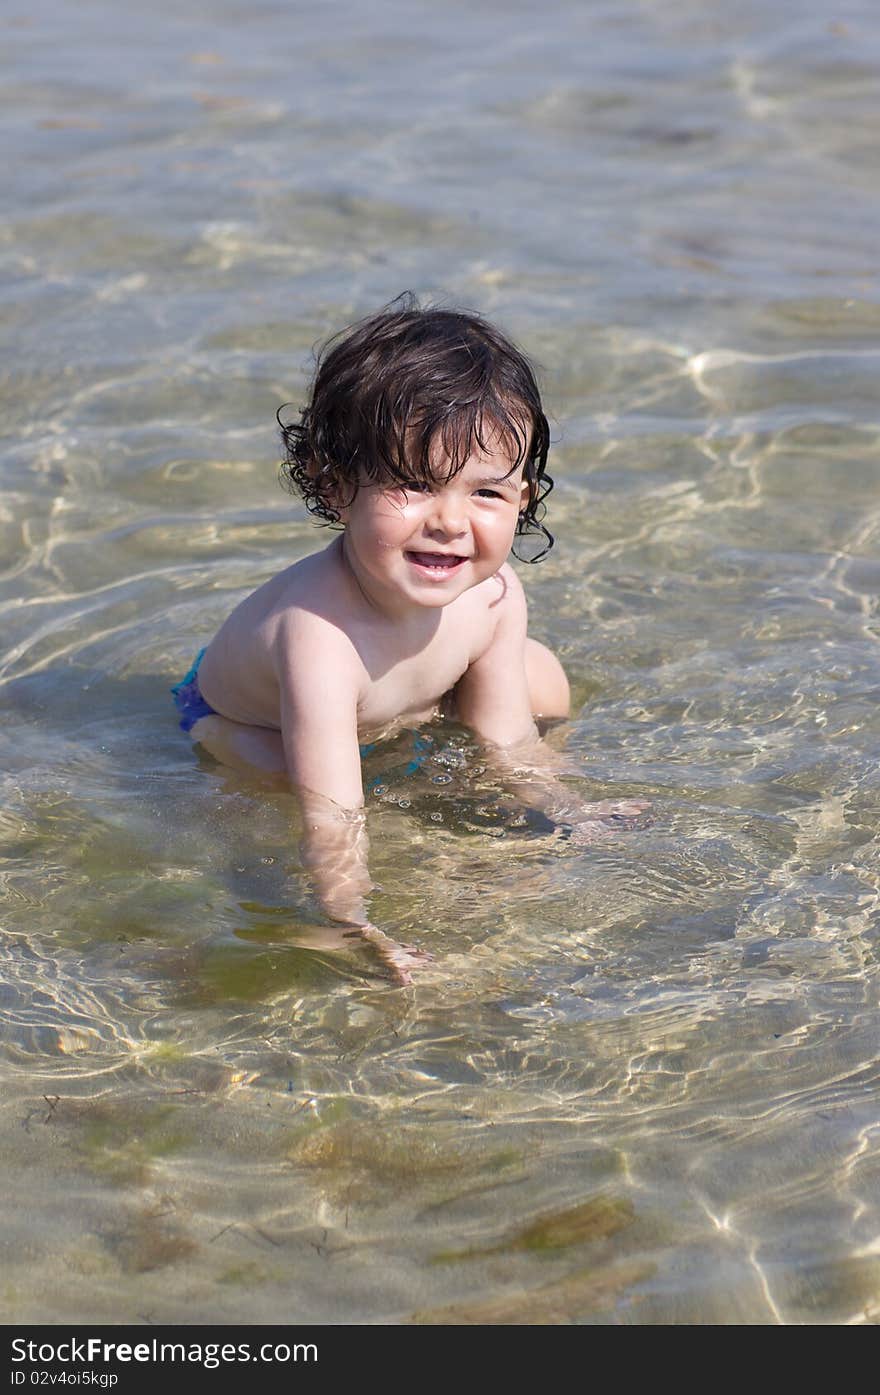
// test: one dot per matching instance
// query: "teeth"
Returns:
(435, 559)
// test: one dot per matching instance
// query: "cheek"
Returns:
(503, 524)
(389, 523)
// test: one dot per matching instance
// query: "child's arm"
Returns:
(492, 695)
(319, 677)
(492, 698)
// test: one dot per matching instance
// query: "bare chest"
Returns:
(399, 684)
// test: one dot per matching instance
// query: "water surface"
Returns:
(638, 1082)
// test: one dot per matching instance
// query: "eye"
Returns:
(490, 494)
(413, 487)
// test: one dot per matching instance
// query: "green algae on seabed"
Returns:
(167, 1053)
(580, 1295)
(121, 1141)
(247, 1275)
(595, 1219)
(238, 973)
(402, 1152)
(151, 1240)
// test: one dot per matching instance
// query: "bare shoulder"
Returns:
(309, 584)
(512, 596)
(287, 636)
(308, 630)
(503, 602)
(308, 598)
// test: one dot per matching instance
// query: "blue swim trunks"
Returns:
(188, 697)
(191, 705)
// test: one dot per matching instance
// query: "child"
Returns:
(425, 442)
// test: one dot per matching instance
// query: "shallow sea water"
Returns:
(639, 1081)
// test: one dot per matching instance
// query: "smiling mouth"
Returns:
(438, 562)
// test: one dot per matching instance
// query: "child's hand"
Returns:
(619, 811)
(399, 959)
(595, 822)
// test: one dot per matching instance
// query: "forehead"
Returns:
(492, 449)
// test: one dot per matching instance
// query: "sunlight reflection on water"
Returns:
(638, 1082)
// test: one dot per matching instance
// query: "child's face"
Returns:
(419, 548)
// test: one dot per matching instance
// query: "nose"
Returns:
(447, 514)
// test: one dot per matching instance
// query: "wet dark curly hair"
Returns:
(390, 388)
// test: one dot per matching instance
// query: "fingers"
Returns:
(398, 959)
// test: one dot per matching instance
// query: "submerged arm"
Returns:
(527, 770)
(492, 698)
